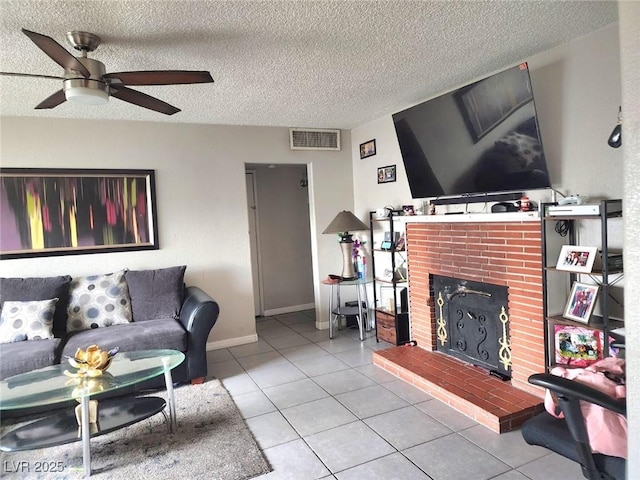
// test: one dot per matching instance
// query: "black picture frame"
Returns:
(368, 149)
(50, 212)
(387, 174)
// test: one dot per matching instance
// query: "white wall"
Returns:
(629, 13)
(577, 93)
(201, 201)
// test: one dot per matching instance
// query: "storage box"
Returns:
(386, 327)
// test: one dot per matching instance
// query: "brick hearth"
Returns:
(489, 401)
(502, 253)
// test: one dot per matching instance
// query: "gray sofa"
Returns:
(164, 315)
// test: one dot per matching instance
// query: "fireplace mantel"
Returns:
(474, 217)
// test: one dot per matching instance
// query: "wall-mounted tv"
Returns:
(479, 139)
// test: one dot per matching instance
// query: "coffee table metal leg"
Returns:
(172, 403)
(86, 435)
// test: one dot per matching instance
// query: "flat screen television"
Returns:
(479, 139)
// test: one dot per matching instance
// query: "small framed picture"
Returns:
(578, 346)
(576, 259)
(408, 210)
(387, 174)
(368, 149)
(581, 302)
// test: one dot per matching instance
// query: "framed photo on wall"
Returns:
(577, 259)
(387, 174)
(49, 212)
(581, 302)
(368, 149)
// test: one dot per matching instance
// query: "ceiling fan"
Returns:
(85, 80)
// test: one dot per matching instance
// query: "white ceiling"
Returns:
(323, 64)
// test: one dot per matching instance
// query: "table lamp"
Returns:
(345, 222)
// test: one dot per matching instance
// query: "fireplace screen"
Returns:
(472, 322)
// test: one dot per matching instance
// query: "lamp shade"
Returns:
(344, 222)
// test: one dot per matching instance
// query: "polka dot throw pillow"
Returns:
(32, 320)
(98, 301)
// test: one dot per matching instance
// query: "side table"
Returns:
(340, 310)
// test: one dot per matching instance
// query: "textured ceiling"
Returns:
(325, 64)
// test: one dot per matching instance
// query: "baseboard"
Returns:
(291, 309)
(232, 342)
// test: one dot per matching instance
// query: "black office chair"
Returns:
(568, 436)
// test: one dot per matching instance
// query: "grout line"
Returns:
(346, 335)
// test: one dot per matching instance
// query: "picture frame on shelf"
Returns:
(368, 149)
(387, 174)
(577, 259)
(408, 210)
(581, 302)
(578, 346)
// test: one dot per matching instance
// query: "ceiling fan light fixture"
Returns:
(86, 91)
(86, 82)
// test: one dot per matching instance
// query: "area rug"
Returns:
(212, 441)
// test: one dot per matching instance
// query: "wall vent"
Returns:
(314, 139)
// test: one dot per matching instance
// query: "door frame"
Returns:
(254, 241)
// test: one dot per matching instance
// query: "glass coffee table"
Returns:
(50, 386)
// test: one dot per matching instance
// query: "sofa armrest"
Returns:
(198, 315)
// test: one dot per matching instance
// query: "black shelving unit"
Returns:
(390, 286)
(606, 276)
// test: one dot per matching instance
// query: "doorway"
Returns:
(280, 238)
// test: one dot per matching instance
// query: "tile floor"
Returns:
(319, 409)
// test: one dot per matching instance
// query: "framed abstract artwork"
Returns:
(47, 212)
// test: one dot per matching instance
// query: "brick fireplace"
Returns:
(506, 253)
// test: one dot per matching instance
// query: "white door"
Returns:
(253, 239)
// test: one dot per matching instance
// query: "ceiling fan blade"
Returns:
(57, 53)
(11, 74)
(52, 101)
(161, 77)
(142, 99)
